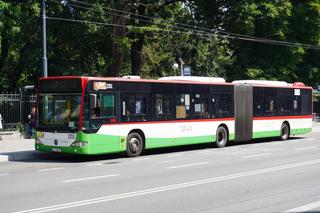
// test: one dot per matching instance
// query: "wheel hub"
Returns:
(134, 145)
(220, 137)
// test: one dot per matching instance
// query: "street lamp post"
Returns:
(44, 39)
(181, 66)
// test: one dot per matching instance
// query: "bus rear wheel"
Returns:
(221, 137)
(284, 132)
(134, 144)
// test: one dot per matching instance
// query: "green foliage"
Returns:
(89, 49)
(295, 21)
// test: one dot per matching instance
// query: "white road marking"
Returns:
(174, 155)
(307, 139)
(94, 164)
(89, 178)
(257, 155)
(306, 148)
(257, 145)
(204, 152)
(170, 161)
(140, 159)
(188, 165)
(168, 187)
(213, 152)
(305, 208)
(4, 174)
(50, 169)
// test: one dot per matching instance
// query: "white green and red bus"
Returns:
(96, 115)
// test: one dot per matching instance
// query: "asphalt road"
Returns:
(260, 176)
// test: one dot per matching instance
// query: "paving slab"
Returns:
(13, 146)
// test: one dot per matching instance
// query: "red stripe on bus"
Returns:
(172, 121)
(283, 117)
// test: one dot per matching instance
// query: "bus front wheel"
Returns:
(134, 144)
(284, 132)
(221, 137)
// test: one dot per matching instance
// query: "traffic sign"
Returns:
(186, 71)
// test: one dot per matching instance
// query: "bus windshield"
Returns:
(58, 111)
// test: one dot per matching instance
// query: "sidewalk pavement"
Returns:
(15, 148)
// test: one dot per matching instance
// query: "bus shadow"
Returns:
(38, 157)
(263, 140)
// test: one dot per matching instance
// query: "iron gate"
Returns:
(15, 108)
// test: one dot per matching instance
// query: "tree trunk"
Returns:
(136, 54)
(117, 33)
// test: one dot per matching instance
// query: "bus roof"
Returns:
(192, 80)
(262, 82)
(182, 81)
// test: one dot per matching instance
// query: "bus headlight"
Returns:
(40, 134)
(79, 144)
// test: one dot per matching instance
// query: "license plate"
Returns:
(56, 150)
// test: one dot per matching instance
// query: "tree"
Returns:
(305, 24)
(19, 35)
(207, 55)
(292, 21)
(147, 40)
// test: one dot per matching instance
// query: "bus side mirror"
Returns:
(93, 101)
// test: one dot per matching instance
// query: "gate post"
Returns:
(21, 105)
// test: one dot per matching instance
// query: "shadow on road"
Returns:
(39, 157)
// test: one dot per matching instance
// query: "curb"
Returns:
(16, 156)
(6, 133)
(4, 158)
(29, 155)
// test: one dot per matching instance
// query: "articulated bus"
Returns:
(95, 115)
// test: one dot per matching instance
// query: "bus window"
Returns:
(270, 103)
(95, 109)
(103, 111)
(134, 107)
(306, 108)
(200, 106)
(108, 106)
(258, 101)
(286, 105)
(86, 113)
(182, 105)
(270, 106)
(162, 106)
(222, 106)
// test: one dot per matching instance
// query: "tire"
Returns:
(135, 145)
(284, 132)
(221, 137)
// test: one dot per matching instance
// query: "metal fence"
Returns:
(316, 111)
(15, 108)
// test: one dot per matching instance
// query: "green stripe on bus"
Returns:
(231, 137)
(276, 133)
(100, 143)
(97, 144)
(166, 142)
(300, 131)
(265, 134)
